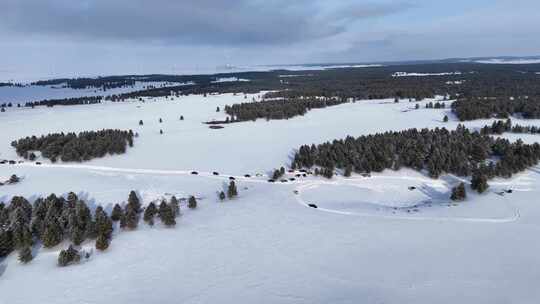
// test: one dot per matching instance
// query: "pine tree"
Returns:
(149, 214)
(348, 170)
(102, 242)
(69, 256)
(130, 220)
(175, 205)
(458, 193)
(25, 255)
(104, 224)
(117, 213)
(52, 235)
(479, 182)
(222, 196)
(133, 202)
(445, 119)
(22, 235)
(231, 190)
(166, 214)
(192, 202)
(6, 242)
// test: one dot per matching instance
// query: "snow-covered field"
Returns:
(372, 239)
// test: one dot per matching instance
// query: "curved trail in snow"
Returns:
(303, 183)
(513, 218)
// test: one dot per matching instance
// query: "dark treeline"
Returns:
(103, 83)
(360, 83)
(66, 101)
(500, 126)
(467, 80)
(53, 220)
(437, 151)
(75, 147)
(499, 107)
(279, 109)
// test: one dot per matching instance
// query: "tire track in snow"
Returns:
(515, 216)
(303, 184)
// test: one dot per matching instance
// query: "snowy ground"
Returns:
(372, 240)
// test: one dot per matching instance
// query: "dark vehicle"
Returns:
(247, 175)
(231, 178)
(215, 173)
(271, 181)
(195, 173)
(313, 206)
(38, 163)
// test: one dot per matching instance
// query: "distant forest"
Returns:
(75, 147)
(499, 107)
(481, 90)
(278, 109)
(65, 101)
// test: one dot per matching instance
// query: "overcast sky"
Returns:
(88, 37)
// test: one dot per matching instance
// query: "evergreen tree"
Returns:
(166, 214)
(6, 242)
(231, 190)
(149, 214)
(69, 256)
(133, 202)
(104, 224)
(175, 205)
(25, 255)
(458, 192)
(52, 235)
(479, 182)
(102, 242)
(192, 202)
(130, 220)
(22, 236)
(348, 170)
(445, 119)
(117, 213)
(222, 196)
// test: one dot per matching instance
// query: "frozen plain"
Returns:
(267, 246)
